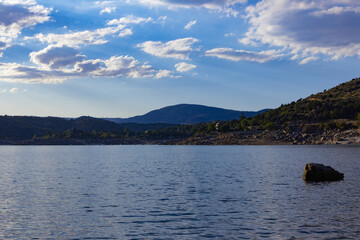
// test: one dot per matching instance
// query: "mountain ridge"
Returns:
(186, 114)
(20, 128)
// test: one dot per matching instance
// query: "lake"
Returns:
(176, 192)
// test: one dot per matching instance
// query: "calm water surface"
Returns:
(176, 192)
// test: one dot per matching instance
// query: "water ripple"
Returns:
(174, 192)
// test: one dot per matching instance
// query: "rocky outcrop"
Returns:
(319, 172)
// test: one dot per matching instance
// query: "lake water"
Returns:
(176, 192)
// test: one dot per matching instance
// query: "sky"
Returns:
(121, 58)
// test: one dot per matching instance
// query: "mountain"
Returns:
(328, 117)
(186, 114)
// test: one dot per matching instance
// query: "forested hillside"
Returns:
(338, 107)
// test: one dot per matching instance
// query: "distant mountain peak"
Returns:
(186, 114)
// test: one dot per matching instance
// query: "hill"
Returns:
(326, 117)
(19, 128)
(186, 114)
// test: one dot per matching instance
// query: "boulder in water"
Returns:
(319, 172)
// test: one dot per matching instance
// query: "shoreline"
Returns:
(255, 137)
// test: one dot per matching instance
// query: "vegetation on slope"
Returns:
(337, 108)
(19, 128)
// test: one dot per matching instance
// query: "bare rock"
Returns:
(320, 172)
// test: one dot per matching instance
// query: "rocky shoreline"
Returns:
(277, 137)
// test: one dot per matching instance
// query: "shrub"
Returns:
(270, 126)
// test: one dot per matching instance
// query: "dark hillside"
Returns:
(340, 102)
(18, 128)
(328, 117)
(21, 127)
(186, 114)
(337, 107)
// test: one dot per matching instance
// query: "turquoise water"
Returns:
(176, 192)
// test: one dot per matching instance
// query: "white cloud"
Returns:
(130, 19)
(162, 19)
(55, 57)
(13, 72)
(184, 67)
(107, 10)
(18, 2)
(162, 74)
(306, 28)
(88, 66)
(116, 66)
(95, 37)
(190, 24)
(308, 59)
(242, 55)
(165, 74)
(106, 6)
(14, 90)
(227, 6)
(4, 43)
(124, 66)
(179, 48)
(16, 15)
(125, 32)
(229, 34)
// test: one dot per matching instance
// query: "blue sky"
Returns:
(121, 58)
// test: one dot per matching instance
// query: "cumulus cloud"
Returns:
(17, 15)
(162, 74)
(179, 48)
(242, 55)
(226, 6)
(46, 72)
(95, 37)
(184, 67)
(125, 32)
(107, 10)
(306, 28)
(190, 24)
(165, 74)
(87, 37)
(124, 66)
(13, 72)
(62, 60)
(106, 6)
(55, 57)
